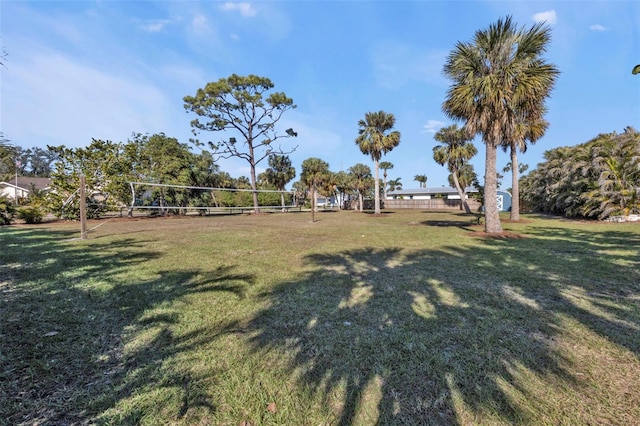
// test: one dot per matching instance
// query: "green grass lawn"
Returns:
(405, 318)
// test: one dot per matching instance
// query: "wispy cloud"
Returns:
(432, 126)
(598, 27)
(548, 16)
(73, 103)
(199, 24)
(246, 9)
(155, 26)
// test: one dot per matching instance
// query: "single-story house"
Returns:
(22, 187)
(444, 197)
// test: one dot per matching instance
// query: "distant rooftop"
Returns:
(429, 191)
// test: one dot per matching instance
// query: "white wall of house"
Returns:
(9, 191)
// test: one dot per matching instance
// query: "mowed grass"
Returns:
(405, 318)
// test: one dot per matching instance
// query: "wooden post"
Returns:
(83, 210)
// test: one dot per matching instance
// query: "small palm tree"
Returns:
(526, 131)
(454, 151)
(422, 179)
(385, 165)
(395, 184)
(314, 174)
(361, 181)
(280, 173)
(376, 139)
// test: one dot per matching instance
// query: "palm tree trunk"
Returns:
(377, 190)
(313, 203)
(492, 217)
(360, 201)
(515, 190)
(461, 193)
(384, 183)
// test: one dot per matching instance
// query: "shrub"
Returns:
(30, 214)
(7, 210)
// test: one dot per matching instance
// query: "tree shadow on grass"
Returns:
(456, 335)
(64, 310)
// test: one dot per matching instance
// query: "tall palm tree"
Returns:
(314, 174)
(455, 151)
(422, 179)
(376, 139)
(280, 173)
(385, 165)
(499, 80)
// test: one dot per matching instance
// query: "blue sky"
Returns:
(78, 70)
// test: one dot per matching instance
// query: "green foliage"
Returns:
(376, 138)
(596, 179)
(454, 152)
(395, 184)
(315, 173)
(237, 104)
(422, 180)
(30, 214)
(361, 182)
(500, 82)
(7, 210)
(108, 167)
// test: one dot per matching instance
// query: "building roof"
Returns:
(430, 191)
(26, 182)
(437, 190)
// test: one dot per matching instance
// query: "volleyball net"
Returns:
(162, 199)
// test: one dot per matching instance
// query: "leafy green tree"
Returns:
(237, 104)
(454, 152)
(242, 182)
(375, 138)
(280, 173)
(362, 182)
(499, 81)
(7, 210)
(164, 160)
(8, 156)
(422, 180)
(109, 166)
(385, 166)
(314, 174)
(99, 163)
